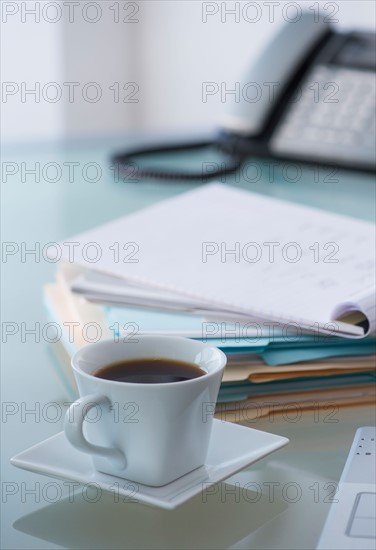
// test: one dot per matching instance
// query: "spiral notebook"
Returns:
(229, 251)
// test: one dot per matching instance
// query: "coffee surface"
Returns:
(150, 371)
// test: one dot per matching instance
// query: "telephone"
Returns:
(318, 105)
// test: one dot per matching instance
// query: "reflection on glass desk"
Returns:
(281, 502)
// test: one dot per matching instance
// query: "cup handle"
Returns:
(73, 427)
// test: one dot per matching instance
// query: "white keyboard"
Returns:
(334, 119)
(351, 523)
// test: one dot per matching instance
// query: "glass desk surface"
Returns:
(280, 502)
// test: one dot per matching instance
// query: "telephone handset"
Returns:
(271, 73)
(317, 105)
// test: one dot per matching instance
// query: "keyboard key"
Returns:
(363, 527)
(366, 506)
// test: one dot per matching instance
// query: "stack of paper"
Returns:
(286, 291)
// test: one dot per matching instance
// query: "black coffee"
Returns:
(150, 371)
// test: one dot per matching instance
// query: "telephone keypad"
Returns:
(331, 117)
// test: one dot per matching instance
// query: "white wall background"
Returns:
(164, 47)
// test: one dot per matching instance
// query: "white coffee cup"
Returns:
(147, 433)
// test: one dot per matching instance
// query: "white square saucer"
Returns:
(232, 448)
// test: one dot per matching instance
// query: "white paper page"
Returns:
(183, 245)
(103, 289)
(90, 284)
